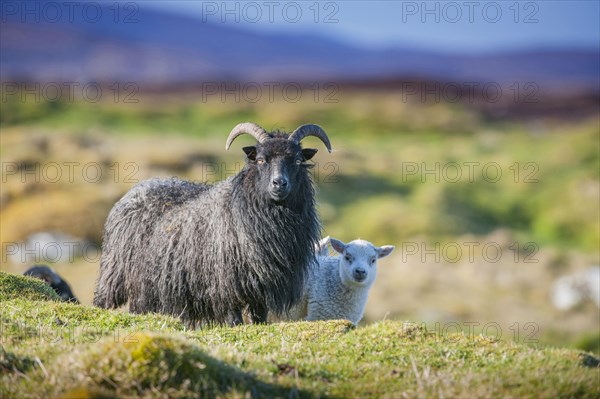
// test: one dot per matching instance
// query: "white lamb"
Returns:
(339, 285)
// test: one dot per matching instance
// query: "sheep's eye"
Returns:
(298, 161)
(348, 258)
(260, 161)
(372, 260)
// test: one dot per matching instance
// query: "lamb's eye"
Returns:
(348, 258)
(260, 161)
(298, 161)
(372, 260)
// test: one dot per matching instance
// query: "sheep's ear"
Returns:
(250, 152)
(384, 251)
(322, 247)
(337, 245)
(308, 153)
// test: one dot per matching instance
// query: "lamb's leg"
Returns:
(234, 318)
(258, 314)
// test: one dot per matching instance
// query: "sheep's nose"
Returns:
(360, 274)
(280, 182)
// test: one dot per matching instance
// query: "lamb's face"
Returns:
(358, 261)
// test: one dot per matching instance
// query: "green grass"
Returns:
(56, 349)
(23, 287)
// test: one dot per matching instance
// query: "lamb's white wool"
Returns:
(339, 285)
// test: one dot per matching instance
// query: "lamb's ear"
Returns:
(384, 251)
(250, 152)
(308, 153)
(337, 245)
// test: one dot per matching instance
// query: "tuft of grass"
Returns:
(155, 365)
(48, 350)
(27, 288)
(11, 363)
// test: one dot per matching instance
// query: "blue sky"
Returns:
(468, 26)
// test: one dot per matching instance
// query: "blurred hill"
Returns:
(154, 47)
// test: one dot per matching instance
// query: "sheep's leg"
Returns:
(234, 318)
(258, 314)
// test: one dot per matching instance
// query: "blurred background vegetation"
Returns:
(422, 176)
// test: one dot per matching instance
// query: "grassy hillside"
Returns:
(54, 349)
(542, 212)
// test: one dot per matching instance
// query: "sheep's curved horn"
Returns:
(252, 129)
(310, 130)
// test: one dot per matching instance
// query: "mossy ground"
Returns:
(12, 286)
(55, 349)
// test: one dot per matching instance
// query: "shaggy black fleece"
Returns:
(206, 252)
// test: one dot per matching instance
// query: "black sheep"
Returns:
(51, 278)
(206, 252)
